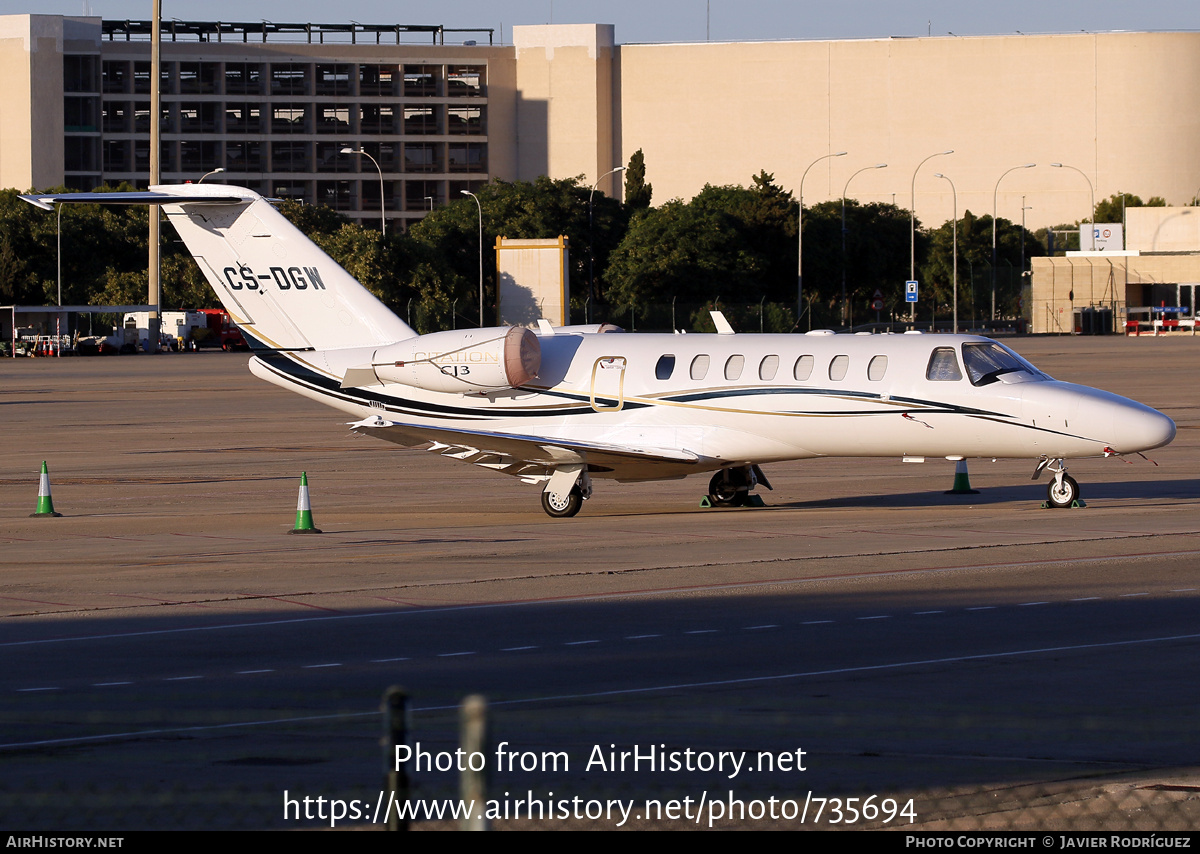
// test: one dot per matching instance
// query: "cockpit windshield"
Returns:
(987, 361)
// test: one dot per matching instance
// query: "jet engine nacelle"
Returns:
(462, 360)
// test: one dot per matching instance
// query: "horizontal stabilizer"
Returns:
(46, 201)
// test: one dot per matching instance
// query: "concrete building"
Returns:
(274, 105)
(271, 105)
(1149, 286)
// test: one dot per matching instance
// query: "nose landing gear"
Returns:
(1063, 490)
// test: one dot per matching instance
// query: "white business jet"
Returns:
(559, 407)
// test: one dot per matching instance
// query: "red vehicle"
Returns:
(221, 331)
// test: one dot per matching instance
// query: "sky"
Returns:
(680, 20)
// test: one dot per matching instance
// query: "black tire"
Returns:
(1064, 497)
(724, 493)
(567, 510)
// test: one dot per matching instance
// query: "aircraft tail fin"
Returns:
(281, 289)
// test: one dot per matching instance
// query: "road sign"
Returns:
(910, 291)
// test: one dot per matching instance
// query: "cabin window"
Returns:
(700, 367)
(838, 368)
(803, 369)
(877, 368)
(985, 362)
(768, 367)
(665, 367)
(733, 367)
(943, 366)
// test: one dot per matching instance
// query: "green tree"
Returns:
(729, 243)
(441, 266)
(1111, 210)
(13, 275)
(637, 191)
(875, 259)
(974, 266)
(313, 219)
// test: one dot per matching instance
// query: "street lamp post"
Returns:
(1023, 209)
(996, 193)
(954, 249)
(845, 190)
(216, 171)
(480, 207)
(912, 227)
(591, 251)
(154, 271)
(1091, 190)
(57, 317)
(382, 207)
(800, 242)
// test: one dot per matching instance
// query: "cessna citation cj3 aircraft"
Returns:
(560, 407)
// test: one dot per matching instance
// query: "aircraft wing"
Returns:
(534, 458)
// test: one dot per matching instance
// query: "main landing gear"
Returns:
(731, 487)
(563, 506)
(1063, 490)
(566, 490)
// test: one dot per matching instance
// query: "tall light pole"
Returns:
(800, 242)
(1123, 226)
(591, 251)
(216, 171)
(154, 273)
(476, 198)
(1092, 215)
(1023, 209)
(995, 194)
(845, 190)
(57, 317)
(912, 227)
(382, 207)
(954, 247)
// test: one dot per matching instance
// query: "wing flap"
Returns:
(523, 456)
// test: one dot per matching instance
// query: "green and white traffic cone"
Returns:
(304, 520)
(45, 505)
(962, 483)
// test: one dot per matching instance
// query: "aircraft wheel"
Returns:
(722, 493)
(564, 509)
(1065, 495)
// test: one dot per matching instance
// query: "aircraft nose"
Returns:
(1142, 429)
(1134, 426)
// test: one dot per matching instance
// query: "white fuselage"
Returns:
(759, 398)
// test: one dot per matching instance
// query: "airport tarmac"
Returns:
(173, 658)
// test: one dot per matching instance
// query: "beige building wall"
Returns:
(1096, 280)
(31, 109)
(1123, 108)
(1162, 248)
(1163, 229)
(564, 101)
